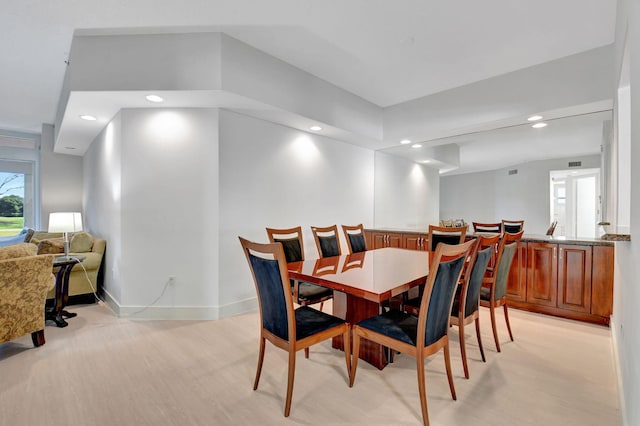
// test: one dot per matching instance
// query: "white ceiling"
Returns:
(387, 52)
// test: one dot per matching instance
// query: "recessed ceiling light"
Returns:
(535, 118)
(405, 141)
(539, 125)
(154, 98)
(69, 147)
(416, 145)
(426, 161)
(88, 117)
(315, 128)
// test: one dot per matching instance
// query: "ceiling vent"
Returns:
(513, 172)
(575, 163)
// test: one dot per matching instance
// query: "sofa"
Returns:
(25, 279)
(81, 286)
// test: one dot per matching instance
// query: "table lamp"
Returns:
(65, 222)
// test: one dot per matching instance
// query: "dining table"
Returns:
(361, 283)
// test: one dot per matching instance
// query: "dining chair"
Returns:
(425, 334)
(465, 309)
(285, 327)
(356, 240)
(304, 293)
(512, 226)
(552, 228)
(327, 240)
(437, 234)
(494, 294)
(447, 235)
(487, 227)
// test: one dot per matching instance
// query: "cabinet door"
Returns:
(542, 275)
(394, 240)
(379, 240)
(602, 281)
(415, 242)
(517, 284)
(574, 278)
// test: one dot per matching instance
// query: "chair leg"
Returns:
(422, 390)
(346, 338)
(260, 359)
(506, 318)
(292, 370)
(480, 339)
(492, 310)
(447, 364)
(354, 358)
(306, 352)
(37, 337)
(321, 305)
(463, 349)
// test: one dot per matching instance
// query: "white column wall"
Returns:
(275, 176)
(407, 194)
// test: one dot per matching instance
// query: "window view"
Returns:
(11, 203)
(575, 202)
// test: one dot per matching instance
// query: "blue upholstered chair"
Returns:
(512, 226)
(467, 301)
(327, 240)
(304, 293)
(356, 240)
(425, 334)
(494, 291)
(285, 327)
(487, 227)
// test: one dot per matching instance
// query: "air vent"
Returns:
(575, 163)
(513, 172)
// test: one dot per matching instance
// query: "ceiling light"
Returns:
(416, 145)
(539, 125)
(154, 98)
(88, 117)
(69, 147)
(535, 118)
(315, 128)
(405, 141)
(426, 161)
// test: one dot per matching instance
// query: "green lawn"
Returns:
(10, 225)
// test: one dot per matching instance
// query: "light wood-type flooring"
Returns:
(105, 370)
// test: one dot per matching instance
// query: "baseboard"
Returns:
(616, 365)
(180, 312)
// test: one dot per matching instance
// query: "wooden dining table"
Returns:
(362, 282)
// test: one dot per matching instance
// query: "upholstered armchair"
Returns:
(25, 279)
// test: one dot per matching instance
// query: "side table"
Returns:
(57, 314)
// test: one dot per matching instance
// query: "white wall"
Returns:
(275, 176)
(406, 193)
(60, 179)
(102, 200)
(495, 195)
(626, 315)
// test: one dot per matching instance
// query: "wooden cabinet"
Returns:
(415, 242)
(542, 276)
(517, 282)
(602, 281)
(574, 278)
(386, 239)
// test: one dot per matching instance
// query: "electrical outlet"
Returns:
(172, 280)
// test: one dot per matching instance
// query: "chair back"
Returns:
(435, 307)
(506, 251)
(271, 278)
(552, 227)
(327, 240)
(487, 227)
(471, 294)
(512, 226)
(291, 239)
(446, 235)
(355, 238)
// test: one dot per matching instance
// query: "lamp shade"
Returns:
(65, 222)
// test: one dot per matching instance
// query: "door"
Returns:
(574, 278)
(542, 275)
